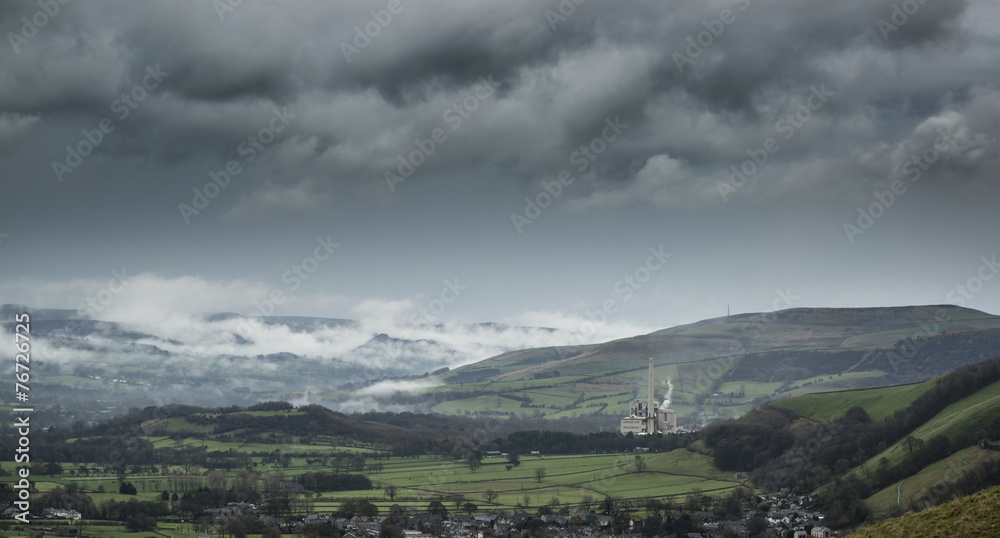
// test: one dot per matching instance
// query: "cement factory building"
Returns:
(646, 416)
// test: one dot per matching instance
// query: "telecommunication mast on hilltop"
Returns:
(646, 417)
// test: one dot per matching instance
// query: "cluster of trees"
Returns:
(240, 525)
(357, 507)
(123, 510)
(51, 446)
(844, 501)
(752, 441)
(271, 406)
(70, 497)
(140, 522)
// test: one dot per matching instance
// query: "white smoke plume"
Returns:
(670, 392)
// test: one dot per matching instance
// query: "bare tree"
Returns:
(474, 463)
(540, 473)
(640, 464)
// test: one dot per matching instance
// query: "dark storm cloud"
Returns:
(454, 48)
(559, 72)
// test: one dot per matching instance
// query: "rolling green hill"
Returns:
(798, 329)
(722, 367)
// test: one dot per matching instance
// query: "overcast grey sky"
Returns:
(116, 116)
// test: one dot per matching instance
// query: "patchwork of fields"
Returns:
(575, 480)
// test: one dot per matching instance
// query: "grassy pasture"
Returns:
(958, 417)
(879, 402)
(570, 478)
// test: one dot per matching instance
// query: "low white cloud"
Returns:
(180, 321)
(387, 388)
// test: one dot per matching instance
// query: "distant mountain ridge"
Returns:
(714, 368)
(722, 367)
(243, 359)
(744, 334)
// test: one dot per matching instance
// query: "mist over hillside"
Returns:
(720, 367)
(234, 358)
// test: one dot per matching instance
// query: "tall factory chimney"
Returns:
(649, 395)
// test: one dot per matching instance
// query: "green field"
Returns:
(878, 402)
(572, 479)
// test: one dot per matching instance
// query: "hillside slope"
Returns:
(799, 329)
(959, 422)
(975, 515)
(916, 490)
(852, 457)
(723, 367)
